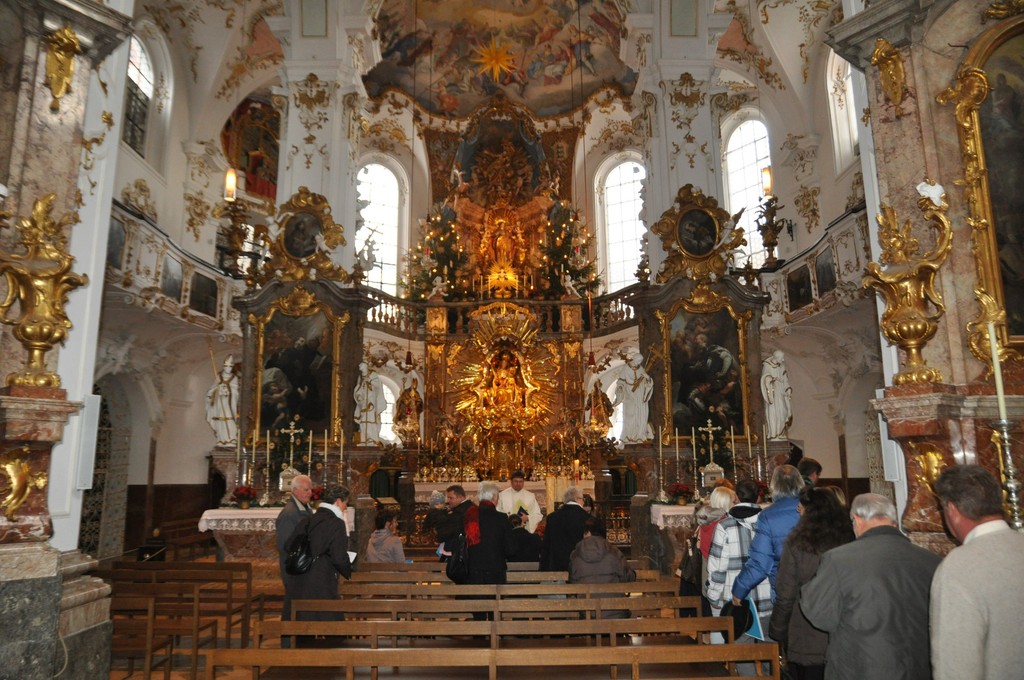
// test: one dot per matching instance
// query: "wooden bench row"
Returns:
(354, 589)
(173, 610)
(500, 609)
(700, 658)
(183, 536)
(226, 593)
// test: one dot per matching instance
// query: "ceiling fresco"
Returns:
(453, 55)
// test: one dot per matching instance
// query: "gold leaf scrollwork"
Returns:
(698, 236)
(62, 46)
(891, 72)
(1003, 10)
(908, 284)
(39, 280)
(929, 457)
(20, 480)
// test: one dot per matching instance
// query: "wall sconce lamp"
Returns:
(766, 180)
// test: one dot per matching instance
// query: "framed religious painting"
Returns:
(698, 236)
(298, 364)
(798, 288)
(989, 109)
(824, 272)
(304, 242)
(705, 341)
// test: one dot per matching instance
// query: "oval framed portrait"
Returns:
(300, 234)
(697, 232)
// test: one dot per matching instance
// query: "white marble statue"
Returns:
(633, 390)
(370, 404)
(222, 404)
(777, 395)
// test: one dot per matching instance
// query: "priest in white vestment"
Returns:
(517, 500)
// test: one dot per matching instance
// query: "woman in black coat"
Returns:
(328, 539)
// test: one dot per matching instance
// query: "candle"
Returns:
(677, 452)
(659, 444)
(268, 456)
(732, 438)
(310, 447)
(255, 438)
(997, 371)
(238, 451)
(693, 447)
(325, 452)
(341, 455)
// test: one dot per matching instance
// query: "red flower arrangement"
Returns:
(317, 493)
(679, 490)
(244, 493)
(764, 495)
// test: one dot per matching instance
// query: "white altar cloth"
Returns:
(672, 516)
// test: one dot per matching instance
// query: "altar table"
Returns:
(243, 535)
(672, 516)
(251, 535)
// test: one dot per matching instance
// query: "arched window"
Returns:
(621, 203)
(137, 97)
(378, 187)
(747, 153)
(842, 112)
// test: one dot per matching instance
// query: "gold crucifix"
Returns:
(292, 431)
(710, 429)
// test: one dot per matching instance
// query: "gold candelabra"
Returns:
(39, 280)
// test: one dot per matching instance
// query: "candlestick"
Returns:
(341, 456)
(997, 371)
(659, 443)
(750, 455)
(677, 453)
(238, 451)
(268, 456)
(255, 438)
(325, 453)
(732, 437)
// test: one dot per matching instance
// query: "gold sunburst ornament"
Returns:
(494, 58)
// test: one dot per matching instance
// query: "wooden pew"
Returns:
(228, 594)
(503, 609)
(183, 535)
(431, 576)
(698, 656)
(134, 635)
(178, 612)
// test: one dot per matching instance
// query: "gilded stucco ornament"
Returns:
(908, 284)
(62, 46)
(891, 73)
(698, 237)
(1003, 10)
(929, 457)
(20, 480)
(303, 242)
(39, 280)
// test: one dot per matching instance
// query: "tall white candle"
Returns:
(997, 371)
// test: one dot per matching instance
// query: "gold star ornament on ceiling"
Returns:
(494, 58)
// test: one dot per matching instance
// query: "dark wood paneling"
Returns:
(170, 502)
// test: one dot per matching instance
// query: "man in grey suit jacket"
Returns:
(294, 510)
(871, 597)
(978, 591)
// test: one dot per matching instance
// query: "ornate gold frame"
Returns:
(703, 300)
(313, 260)
(683, 258)
(967, 94)
(300, 302)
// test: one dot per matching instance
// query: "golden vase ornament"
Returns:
(908, 285)
(39, 280)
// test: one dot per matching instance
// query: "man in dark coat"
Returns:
(489, 537)
(871, 597)
(452, 525)
(294, 510)
(328, 538)
(564, 531)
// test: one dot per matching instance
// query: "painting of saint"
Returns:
(1001, 132)
(300, 235)
(698, 232)
(296, 372)
(706, 374)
